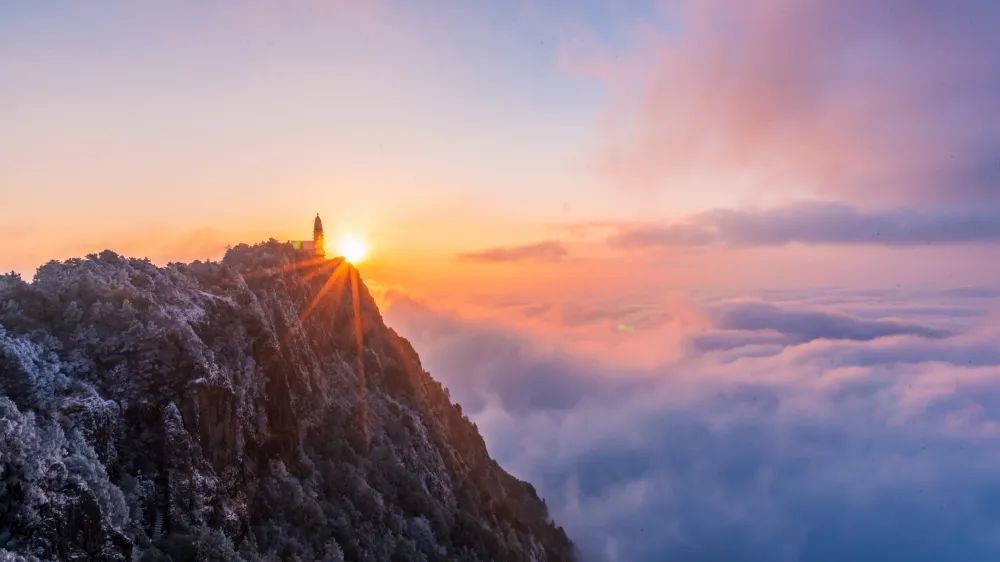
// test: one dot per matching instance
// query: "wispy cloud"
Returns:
(817, 223)
(542, 251)
(881, 101)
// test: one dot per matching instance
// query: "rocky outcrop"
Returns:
(253, 409)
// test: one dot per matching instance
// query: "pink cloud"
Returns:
(878, 101)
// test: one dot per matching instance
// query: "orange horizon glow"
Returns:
(352, 248)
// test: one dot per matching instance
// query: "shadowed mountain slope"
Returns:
(253, 409)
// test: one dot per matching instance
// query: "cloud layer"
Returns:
(880, 102)
(801, 325)
(810, 426)
(817, 223)
(541, 251)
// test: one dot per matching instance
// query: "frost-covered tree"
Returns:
(221, 411)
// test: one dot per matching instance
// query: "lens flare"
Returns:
(352, 247)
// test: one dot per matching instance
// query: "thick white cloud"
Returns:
(816, 426)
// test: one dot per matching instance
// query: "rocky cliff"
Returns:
(253, 409)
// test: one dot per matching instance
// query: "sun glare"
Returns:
(352, 247)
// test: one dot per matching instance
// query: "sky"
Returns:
(719, 278)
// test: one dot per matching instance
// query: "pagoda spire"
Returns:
(318, 241)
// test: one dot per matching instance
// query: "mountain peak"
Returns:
(256, 408)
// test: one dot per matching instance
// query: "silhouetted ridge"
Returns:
(223, 411)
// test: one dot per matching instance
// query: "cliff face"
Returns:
(254, 409)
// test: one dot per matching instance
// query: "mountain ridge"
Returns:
(256, 408)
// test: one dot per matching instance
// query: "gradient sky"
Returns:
(171, 129)
(768, 230)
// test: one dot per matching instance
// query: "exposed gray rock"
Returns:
(254, 409)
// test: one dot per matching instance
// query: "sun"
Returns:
(352, 247)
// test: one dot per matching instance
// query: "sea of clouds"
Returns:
(796, 425)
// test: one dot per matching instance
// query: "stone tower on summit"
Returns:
(315, 247)
(319, 246)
